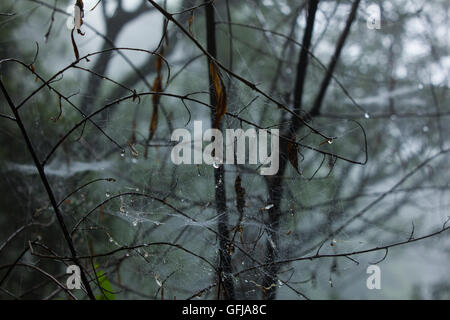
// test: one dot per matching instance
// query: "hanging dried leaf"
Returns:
(157, 87)
(221, 95)
(119, 280)
(191, 20)
(133, 131)
(78, 16)
(292, 150)
(101, 213)
(133, 150)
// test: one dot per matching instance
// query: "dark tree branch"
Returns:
(315, 110)
(225, 267)
(275, 183)
(48, 189)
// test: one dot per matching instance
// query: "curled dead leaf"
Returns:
(220, 93)
(78, 16)
(191, 20)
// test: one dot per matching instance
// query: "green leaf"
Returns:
(105, 285)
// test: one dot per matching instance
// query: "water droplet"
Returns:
(127, 254)
(425, 129)
(330, 141)
(216, 162)
(268, 207)
(122, 153)
(135, 223)
(146, 255)
(111, 239)
(134, 160)
(107, 194)
(367, 115)
(420, 86)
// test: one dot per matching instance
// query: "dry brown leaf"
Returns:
(133, 150)
(101, 213)
(191, 20)
(221, 95)
(292, 151)
(78, 16)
